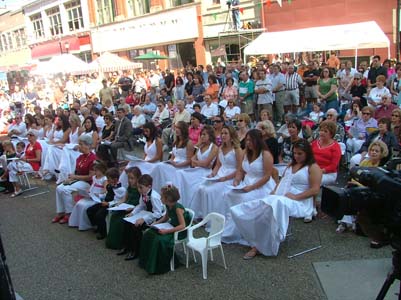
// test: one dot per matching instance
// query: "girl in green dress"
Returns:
(157, 244)
(116, 228)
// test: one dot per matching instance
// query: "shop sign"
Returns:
(162, 28)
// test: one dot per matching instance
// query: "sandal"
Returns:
(250, 254)
(15, 194)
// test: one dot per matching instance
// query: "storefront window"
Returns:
(174, 3)
(86, 56)
(74, 12)
(4, 40)
(1, 46)
(37, 26)
(138, 7)
(55, 21)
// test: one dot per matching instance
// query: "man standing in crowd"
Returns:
(310, 77)
(246, 89)
(125, 84)
(169, 81)
(292, 83)
(105, 93)
(278, 82)
(263, 90)
(376, 70)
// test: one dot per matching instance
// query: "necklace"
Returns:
(83, 161)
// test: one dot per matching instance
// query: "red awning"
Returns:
(53, 47)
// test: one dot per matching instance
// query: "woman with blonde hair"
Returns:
(270, 138)
(211, 191)
(243, 124)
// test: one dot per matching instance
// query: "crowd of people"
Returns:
(253, 144)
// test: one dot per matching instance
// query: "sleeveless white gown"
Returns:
(144, 166)
(263, 223)
(209, 197)
(164, 172)
(53, 155)
(254, 171)
(189, 179)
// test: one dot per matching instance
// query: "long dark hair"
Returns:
(66, 123)
(93, 127)
(259, 145)
(182, 141)
(304, 146)
(152, 131)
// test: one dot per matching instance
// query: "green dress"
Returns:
(156, 249)
(115, 235)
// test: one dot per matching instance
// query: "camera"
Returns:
(379, 197)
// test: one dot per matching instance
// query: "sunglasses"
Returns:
(30, 134)
(330, 115)
(241, 121)
(217, 121)
(393, 115)
(365, 113)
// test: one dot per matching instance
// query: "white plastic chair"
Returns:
(205, 244)
(182, 241)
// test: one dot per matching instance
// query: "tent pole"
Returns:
(356, 58)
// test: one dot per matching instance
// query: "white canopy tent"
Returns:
(109, 62)
(356, 36)
(65, 63)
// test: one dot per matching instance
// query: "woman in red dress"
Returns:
(27, 163)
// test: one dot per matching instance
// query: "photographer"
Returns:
(234, 4)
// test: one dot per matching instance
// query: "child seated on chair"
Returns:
(98, 212)
(149, 210)
(19, 149)
(157, 244)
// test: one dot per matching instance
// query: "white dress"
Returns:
(188, 180)
(254, 171)
(263, 223)
(145, 166)
(164, 172)
(78, 217)
(209, 197)
(53, 155)
(69, 157)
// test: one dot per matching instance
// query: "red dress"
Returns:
(30, 153)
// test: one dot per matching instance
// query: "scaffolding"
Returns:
(242, 37)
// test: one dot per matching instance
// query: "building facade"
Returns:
(132, 28)
(58, 26)
(13, 43)
(221, 41)
(298, 14)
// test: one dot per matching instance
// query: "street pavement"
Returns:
(53, 261)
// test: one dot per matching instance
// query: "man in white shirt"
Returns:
(98, 120)
(263, 88)
(18, 128)
(210, 109)
(278, 81)
(293, 82)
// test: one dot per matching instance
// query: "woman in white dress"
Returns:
(153, 153)
(202, 162)
(263, 223)
(252, 181)
(209, 197)
(79, 217)
(183, 150)
(70, 151)
(56, 143)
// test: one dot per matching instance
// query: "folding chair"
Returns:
(290, 234)
(27, 186)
